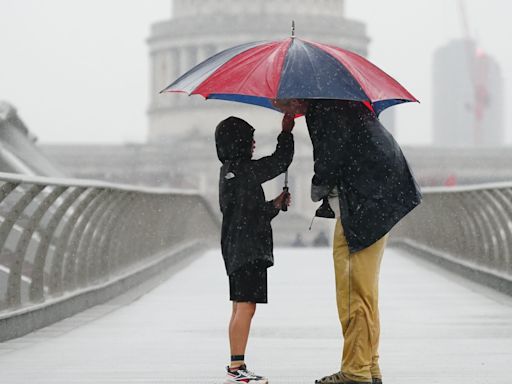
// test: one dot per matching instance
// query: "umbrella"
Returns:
(259, 72)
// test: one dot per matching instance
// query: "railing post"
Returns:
(13, 294)
(69, 276)
(83, 259)
(120, 257)
(100, 267)
(15, 285)
(56, 272)
(37, 284)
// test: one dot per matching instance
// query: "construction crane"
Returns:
(478, 72)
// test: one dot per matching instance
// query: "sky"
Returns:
(77, 70)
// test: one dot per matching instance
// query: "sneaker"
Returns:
(338, 378)
(376, 380)
(243, 375)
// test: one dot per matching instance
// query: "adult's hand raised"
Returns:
(288, 122)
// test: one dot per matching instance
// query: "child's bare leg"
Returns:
(233, 312)
(239, 328)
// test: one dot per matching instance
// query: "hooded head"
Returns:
(234, 139)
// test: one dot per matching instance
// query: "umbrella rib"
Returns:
(309, 60)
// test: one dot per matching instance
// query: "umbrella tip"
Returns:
(293, 28)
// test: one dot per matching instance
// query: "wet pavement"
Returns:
(436, 328)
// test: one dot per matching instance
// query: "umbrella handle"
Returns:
(284, 206)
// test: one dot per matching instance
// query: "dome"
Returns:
(200, 28)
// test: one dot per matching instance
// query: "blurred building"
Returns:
(199, 29)
(159, 166)
(468, 97)
(18, 152)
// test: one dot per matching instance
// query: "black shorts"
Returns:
(249, 284)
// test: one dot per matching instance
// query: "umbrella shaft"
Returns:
(284, 205)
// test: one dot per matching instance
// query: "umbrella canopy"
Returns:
(257, 72)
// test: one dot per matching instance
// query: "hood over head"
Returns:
(233, 139)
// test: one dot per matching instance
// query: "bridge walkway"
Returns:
(436, 328)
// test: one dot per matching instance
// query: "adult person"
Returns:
(365, 182)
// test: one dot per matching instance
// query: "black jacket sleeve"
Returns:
(329, 146)
(268, 167)
(270, 210)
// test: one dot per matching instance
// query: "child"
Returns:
(246, 232)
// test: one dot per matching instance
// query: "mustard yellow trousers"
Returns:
(357, 297)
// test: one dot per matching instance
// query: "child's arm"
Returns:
(270, 210)
(272, 166)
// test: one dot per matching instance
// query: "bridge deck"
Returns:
(436, 328)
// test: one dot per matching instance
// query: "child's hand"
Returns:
(283, 198)
(288, 122)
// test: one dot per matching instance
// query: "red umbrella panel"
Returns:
(257, 72)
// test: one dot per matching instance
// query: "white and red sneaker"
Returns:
(242, 375)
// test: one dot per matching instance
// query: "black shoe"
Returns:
(376, 380)
(338, 378)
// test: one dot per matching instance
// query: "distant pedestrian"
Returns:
(246, 240)
(321, 240)
(365, 182)
(298, 242)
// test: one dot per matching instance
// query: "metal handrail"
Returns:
(59, 236)
(467, 226)
(71, 182)
(467, 187)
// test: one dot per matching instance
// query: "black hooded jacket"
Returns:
(357, 156)
(246, 231)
